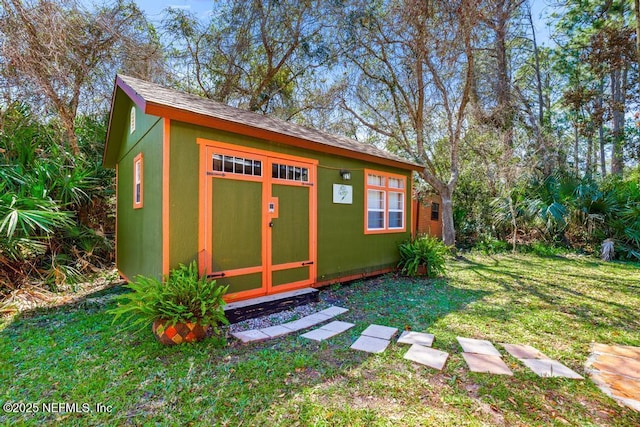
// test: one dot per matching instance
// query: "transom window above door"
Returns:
(289, 172)
(237, 165)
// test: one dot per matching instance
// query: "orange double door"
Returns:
(257, 219)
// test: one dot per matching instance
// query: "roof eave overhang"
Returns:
(177, 114)
(136, 98)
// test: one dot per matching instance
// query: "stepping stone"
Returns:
(486, 363)
(333, 311)
(550, 368)
(615, 369)
(410, 337)
(523, 351)
(338, 326)
(618, 365)
(618, 350)
(470, 345)
(251, 335)
(379, 331)
(370, 344)
(430, 357)
(275, 331)
(623, 389)
(306, 322)
(319, 334)
(327, 331)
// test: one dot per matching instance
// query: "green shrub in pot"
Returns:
(424, 255)
(180, 307)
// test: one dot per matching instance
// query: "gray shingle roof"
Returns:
(153, 93)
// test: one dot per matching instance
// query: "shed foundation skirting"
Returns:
(262, 306)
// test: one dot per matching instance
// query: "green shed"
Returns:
(264, 205)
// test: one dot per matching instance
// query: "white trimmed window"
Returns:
(138, 181)
(132, 120)
(386, 199)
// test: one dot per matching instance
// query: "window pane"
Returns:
(239, 165)
(137, 177)
(283, 172)
(396, 183)
(435, 211)
(217, 162)
(290, 172)
(305, 174)
(396, 201)
(228, 164)
(257, 168)
(375, 199)
(297, 174)
(395, 219)
(375, 220)
(376, 180)
(138, 192)
(248, 167)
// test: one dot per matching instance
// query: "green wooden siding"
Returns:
(139, 231)
(343, 248)
(290, 233)
(237, 221)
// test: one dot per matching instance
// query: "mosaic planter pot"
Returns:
(422, 270)
(179, 333)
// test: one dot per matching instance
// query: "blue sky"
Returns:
(154, 8)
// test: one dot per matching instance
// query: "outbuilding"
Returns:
(262, 204)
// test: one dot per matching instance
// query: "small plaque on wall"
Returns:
(343, 194)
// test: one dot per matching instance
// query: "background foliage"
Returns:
(537, 145)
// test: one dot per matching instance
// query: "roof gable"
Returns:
(160, 101)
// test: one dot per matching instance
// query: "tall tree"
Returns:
(602, 38)
(253, 54)
(411, 72)
(60, 50)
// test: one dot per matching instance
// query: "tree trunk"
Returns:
(576, 142)
(448, 228)
(514, 224)
(637, 10)
(603, 164)
(588, 168)
(603, 160)
(617, 153)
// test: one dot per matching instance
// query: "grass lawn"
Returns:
(73, 354)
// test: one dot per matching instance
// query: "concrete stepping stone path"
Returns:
(420, 338)
(379, 331)
(370, 344)
(430, 357)
(470, 345)
(482, 356)
(523, 351)
(542, 365)
(615, 369)
(550, 368)
(374, 339)
(327, 331)
(486, 363)
(255, 335)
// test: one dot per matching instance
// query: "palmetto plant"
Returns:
(42, 190)
(584, 212)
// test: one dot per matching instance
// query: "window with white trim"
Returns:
(132, 120)
(138, 178)
(385, 202)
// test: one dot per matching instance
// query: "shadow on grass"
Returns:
(602, 299)
(73, 353)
